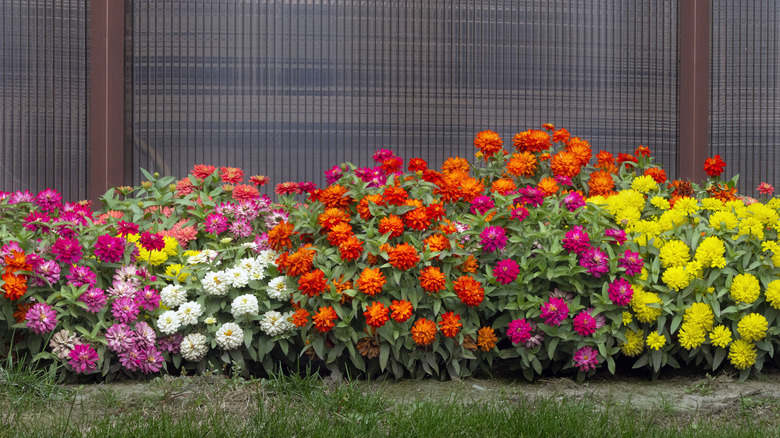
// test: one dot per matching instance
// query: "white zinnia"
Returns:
(275, 323)
(215, 283)
(267, 257)
(229, 336)
(245, 305)
(205, 256)
(169, 322)
(237, 277)
(189, 313)
(173, 295)
(193, 347)
(277, 289)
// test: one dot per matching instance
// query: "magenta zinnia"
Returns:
(481, 204)
(215, 223)
(519, 331)
(632, 262)
(94, 298)
(617, 234)
(41, 318)
(110, 249)
(584, 323)
(506, 271)
(620, 292)
(83, 358)
(125, 309)
(493, 238)
(554, 311)
(595, 261)
(576, 240)
(586, 359)
(67, 250)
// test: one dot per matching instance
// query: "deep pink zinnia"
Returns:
(41, 318)
(554, 311)
(240, 229)
(481, 204)
(531, 195)
(120, 337)
(573, 201)
(81, 275)
(620, 292)
(595, 261)
(519, 212)
(152, 241)
(37, 216)
(149, 360)
(67, 250)
(519, 331)
(125, 309)
(170, 343)
(124, 228)
(584, 323)
(215, 223)
(110, 249)
(48, 200)
(130, 358)
(632, 262)
(48, 271)
(617, 234)
(576, 240)
(765, 188)
(506, 271)
(83, 359)
(586, 358)
(333, 175)
(94, 298)
(148, 299)
(493, 238)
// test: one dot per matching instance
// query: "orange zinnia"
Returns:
(642, 151)
(470, 188)
(403, 257)
(522, 164)
(600, 183)
(300, 318)
(401, 310)
(312, 283)
(437, 242)
(395, 195)
(605, 160)
(435, 211)
(417, 165)
(15, 286)
(351, 249)
(20, 314)
(299, 262)
(17, 261)
(391, 224)
(455, 165)
(417, 219)
(503, 186)
(450, 325)
(279, 236)
(469, 291)
(488, 142)
(364, 204)
(532, 140)
(334, 197)
(331, 217)
(340, 233)
(371, 281)
(423, 332)
(469, 265)
(432, 279)
(560, 135)
(323, 319)
(658, 174)
(581, 149)
(341, 287)
(376, 314)
(549, 186)
(486, 338)
(565, 163)
(449, 188)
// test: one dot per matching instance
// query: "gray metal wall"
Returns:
(290, 88)
(43, 96)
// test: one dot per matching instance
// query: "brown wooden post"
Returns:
(694, 89)
(106, 102)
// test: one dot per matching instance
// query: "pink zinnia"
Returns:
(41, 318)
(36, 216)
(148, 299)
(241, 229)
(247, 210)
(519, 331)
(215, 223)
(765, 189)
(620, 292)
(120, 337)
(481, 205)
(48, 200)
(261, 242)
(20, 196)
(584, 323)
(110, 249)
(125, 309)
(152, 241)
(595, 261)
(573, 201)
(563, 180)
(150, 360)
(94, 298)
(81, 275)
(83, 358)
(308, 186)
(576, 240)
(277, 215)
(145, 335)
(49, 270)
(506, 271)
(231, 175)
(170, 343)
(67, 250)
(288, 188)
(531, 195)
(493, 238)
(382, 155)
(617, 234)
(124, 228)
(519, 212)
(554, 311)
(203, 171)
(130, 358)
(632, 262)
(333, 175)
(586, 358)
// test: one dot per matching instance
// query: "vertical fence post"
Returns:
(694, 88)
(106, 101)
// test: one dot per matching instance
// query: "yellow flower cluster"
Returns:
(752, 327)
(720, 336)
(655, 341)
(644, 184)
(691, 335)
(745, 288)
(626, 207)
(635, 343)
(646, 305)
(701, 315)
(710, 253)
(742, 354)
(674, 253)
(773, 294)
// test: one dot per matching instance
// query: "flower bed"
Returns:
(546, 258)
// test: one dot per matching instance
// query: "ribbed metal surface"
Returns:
(43, 96)
(290, 88)
(745, 81)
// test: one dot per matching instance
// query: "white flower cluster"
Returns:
(169, 322)
(173, 295)
(229, 336)
(277, 289)
(255, 268)
(205, 256)
(215, 283)
(189, 313)
(245, 305)
(193, 347)
(275, 323)
(237, 277)
(268, 257)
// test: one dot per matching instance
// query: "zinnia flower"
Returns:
(519, 331)
(554, 311)
(432, 279)
(488, 142)
(371, 281)
(391, 224)
(532, 140)
(324, 319)
(41, 318)
(765, 189)
(586, 359)
(351, 249)
(493, 238)
(470, 291)
(576, 240)
(691, 335)
(376, 314)
(312, 283)
(15, 286)
(655, 340)
(595, 261)
(745, 288)
(632, 262)
(742, 354)
(714, 166)
(752, 327)
(401, 310)
(584, 323)
(450, 325)
(229, 336)
(83, 359)
(635, 343)
(403, 257)
(506, 271)
(486, 338)
(67, 250)
(522, 165)
(565, 163)
(423, 332)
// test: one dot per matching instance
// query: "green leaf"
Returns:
(551, 347)
(384, 354)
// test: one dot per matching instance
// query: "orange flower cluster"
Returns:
(488, 143)
(532, 140)
(312, 283)
(363, 206)
(376, 314)
(401, 310)
(437, 242)
(403, 257)
(334, 196)
(450, 324)
(503, 186)
(470, 291)
(395, 195)
(279, 236)
(15, 285)
(522, 164)
(371, 281)
(658, 174)
(601, 183)
(549, 186)
(340, 233)
(391, 224)
(432, 279)
(423, 332)
(324, 319)
(300, 318)
(351, 249)
(297, 263)
(332, 217)
(486, 338)
(417, 219)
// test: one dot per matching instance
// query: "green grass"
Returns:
(303, 405)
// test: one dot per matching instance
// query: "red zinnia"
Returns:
(417, 165)
(288, 188)
(450, 325)
(395, 195)
(203, 171)
(231, 175)
(312, 283)
(714, 166)
(323, 319)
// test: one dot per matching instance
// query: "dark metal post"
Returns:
(694, 88)
(106, 103)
